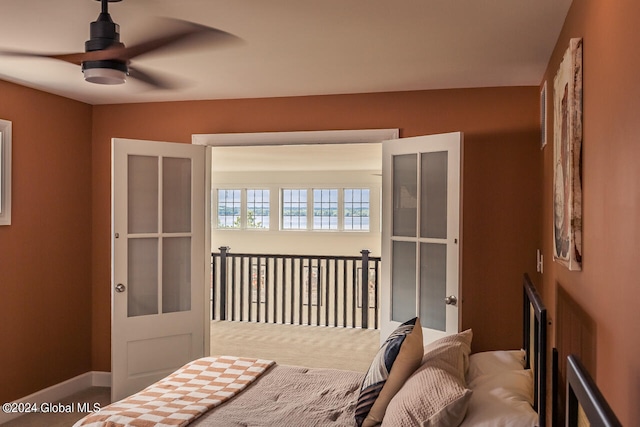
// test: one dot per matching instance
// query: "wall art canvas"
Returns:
(567, 155)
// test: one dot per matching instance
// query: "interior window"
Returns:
(294, 209)
(258, 209)
(325, 209)
(229, 208)
(356, 209)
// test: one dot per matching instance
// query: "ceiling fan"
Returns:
(107, 61)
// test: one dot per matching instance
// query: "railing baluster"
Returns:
(242, 282)
(364, 288)
(375, 293)
(212, 289)
(327, 264)
(344, 293)
(269, 288)
(354, 304)
(293, 280)
(274, 262)
(284, 290)
(335, 292)
(223, 281)
(266, 290)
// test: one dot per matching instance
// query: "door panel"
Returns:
(421, 233)
(159, 261)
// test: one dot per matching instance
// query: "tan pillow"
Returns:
(407, 361)
(435, 395)
(437, 349)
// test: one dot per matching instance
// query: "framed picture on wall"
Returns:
(371, 287)
(567, 158)
(315, 280)
(258, 282)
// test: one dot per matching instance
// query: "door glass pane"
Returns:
(176, 274)
(433, 285)
(433, 195)
(403, 281)
(142, 286)
(405, 195)
(143, 194)
(176, 195)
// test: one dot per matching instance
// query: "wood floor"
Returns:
(310, 346)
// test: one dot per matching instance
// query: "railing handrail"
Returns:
(255, 255)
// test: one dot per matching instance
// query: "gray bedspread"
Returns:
(291, 396)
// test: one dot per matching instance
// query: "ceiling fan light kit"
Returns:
(104, 76)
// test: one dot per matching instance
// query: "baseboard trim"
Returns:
(61, 390)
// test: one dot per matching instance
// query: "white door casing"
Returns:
(159, 261)
(421, 240)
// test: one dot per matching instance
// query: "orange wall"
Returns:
(55, 257)
(501, 179)
(45, 254)
(607, 287)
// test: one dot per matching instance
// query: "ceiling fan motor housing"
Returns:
(104, 33)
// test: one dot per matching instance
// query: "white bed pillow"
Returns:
(502, 400)
(494, 362)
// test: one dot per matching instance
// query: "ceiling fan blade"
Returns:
(177, 34)
(23, 54)
(153, 79)
(73, 58)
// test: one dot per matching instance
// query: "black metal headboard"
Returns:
(584, 398)
(535, 345)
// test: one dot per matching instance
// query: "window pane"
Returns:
(176, 274)
(294, 209)
(142, 277)
(229, 208)
(176, 195)
(433, 285)
(325, 209)
(143, 194)
(403, 281)
(356, 209)
(258, 209)
(405, 195)
(433, 199)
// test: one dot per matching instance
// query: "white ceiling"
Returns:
(294, 47)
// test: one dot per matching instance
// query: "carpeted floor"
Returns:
(310, 346)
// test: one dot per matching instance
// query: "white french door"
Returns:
(159, 261)
(421, 233)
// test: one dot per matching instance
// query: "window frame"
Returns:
(245, 211)
(344, 206)
(244, 207)
(311, 205)
(217, 209)
(5, 172)
(281, 208)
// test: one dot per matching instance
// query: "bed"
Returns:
(441, 384)
(585, 404)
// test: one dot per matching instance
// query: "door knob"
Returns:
(451, 300)
(120, 287)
